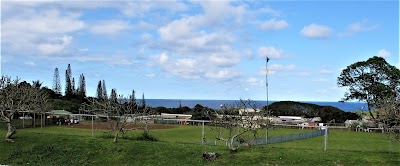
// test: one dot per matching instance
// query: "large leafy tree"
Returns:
(370, 81)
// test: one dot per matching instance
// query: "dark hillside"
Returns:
(327, 113)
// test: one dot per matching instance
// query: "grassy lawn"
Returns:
(70, 146)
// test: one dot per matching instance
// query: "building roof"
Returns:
(176, 116)
(291, 117)
(60, 112)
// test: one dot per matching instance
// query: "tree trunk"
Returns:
(116, 137)
(10, 130)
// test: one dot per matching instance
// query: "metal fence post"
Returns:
(92, 126)
(202, 134)
(326, 137)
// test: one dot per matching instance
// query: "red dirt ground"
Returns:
(108, 126)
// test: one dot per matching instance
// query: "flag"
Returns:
(267, 59)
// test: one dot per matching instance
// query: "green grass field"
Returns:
(62, 145)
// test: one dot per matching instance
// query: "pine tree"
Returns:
(133, 100)
(82, 86)
(113, 95)
(99, 91)
(143, 102)
(68, 86)
(73, 87)
(105, 95)
(56, 82)
(132, 97)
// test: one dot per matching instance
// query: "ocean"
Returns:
(216, 104)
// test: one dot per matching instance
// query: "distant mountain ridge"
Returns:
(327, 113)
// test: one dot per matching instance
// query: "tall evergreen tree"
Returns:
(56, 82)
(73, 86)
(99, 91)
(113, 95)
(82, 86)
(68, 85)
(143, 105)
(133, 98)
(105, 95)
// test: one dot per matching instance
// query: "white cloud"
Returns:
(46, 32)
(55, 45)
(322, 91)
(325, 71)
(184, 68)
(184, 26)
(279, 67)
(140, 8)
(316, 31)
(107, 59)
(384, 53)
(274, 68)
(150, 75)
(220, 60)
(48, 22)
(270, 52)
(216, 11)
(357, 27)
(361, 26)
(109, 27)
(304, 74)
(254, 81)
(321, 80)
(163, 58)
(30, 63)
(222, 74)
(273, 24)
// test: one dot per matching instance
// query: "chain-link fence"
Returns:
(279, 139)
(31, 122)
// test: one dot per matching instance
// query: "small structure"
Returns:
(175, 116)
(60, 117)
(349, 123)
(291, 119)
(182, 119)
(248, 111)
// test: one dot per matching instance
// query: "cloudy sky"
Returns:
(198, 49)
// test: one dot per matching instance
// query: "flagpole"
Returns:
(266, 84)
(266, 79)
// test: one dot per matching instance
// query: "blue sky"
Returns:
(198, 49)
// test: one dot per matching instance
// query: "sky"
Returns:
(198, 49)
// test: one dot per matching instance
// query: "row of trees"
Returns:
(70, 90)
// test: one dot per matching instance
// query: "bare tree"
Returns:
(233, 121)
(117, 111)
(388, 111)
(16, 97)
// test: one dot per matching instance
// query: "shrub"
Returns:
(146, 136)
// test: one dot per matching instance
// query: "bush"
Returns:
(146, 136)
(106, 135)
